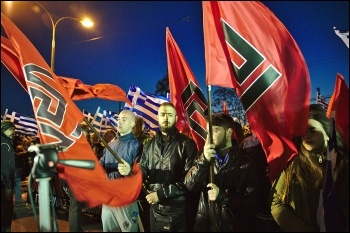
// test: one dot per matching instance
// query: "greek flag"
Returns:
(104, 120)
(320, 100)
(24, 125)
(88, 115)
(145, 105)
(27, 126)
(112, 117)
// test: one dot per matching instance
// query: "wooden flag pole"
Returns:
(103, 141)
(212, 161)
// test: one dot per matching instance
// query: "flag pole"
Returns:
(317, 94)
(118, 159)
(212, 161)
(97, 111)
(5, 114)
(103, 141)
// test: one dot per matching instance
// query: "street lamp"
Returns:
(85, 22)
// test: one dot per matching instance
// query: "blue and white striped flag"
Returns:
(112, 117)
(24, 125)
(102, 123)
(320, 100)
(11, 116)
(27, 126)
(88, 115)
(146, 106)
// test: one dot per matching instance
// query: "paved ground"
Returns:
(24, 220)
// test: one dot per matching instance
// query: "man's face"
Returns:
(166, 118)
(219, 137)
(25, 143)
(93, 138)
(10, 132)
(125, 123)
(139, 126)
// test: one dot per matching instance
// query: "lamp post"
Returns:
(86, 23)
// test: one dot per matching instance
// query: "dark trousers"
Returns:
(144, 212)
(75, 208)
(6, 209)
(168, 218)
(18, 184)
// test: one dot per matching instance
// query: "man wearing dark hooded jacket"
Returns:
(237, 186)
(7, 174)
(164, 162)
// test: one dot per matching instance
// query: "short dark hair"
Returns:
(221, 119)
(84, 127)
(6, 124)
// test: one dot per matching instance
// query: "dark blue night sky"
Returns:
(127, 45)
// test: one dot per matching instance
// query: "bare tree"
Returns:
(162, 87)
(233, 103)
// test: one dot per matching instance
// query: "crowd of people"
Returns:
(222, 187)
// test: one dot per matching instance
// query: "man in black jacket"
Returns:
(237, 186)
(165, 161)
(7, 174)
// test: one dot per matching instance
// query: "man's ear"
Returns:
(230, 131)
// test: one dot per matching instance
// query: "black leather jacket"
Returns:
(7, 163)
(165, 164)
(239, 192)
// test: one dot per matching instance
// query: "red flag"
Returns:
(10, 60)
(76, 89)
(339, 103)
(248, 48)
(58, 119)
(79, 91)
(185, 93)
(224, 107)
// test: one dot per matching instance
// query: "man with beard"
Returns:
(237, 186)
(165, 161)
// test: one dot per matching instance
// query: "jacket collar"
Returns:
(127, 137)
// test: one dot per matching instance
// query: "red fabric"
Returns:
(180, 76)
(79, 91)
(10, 59)
(75, 88)
(277, 111)
(58, 116)
(339, 103)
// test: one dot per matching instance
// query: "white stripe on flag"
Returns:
(344, 35)
(88, 115)
(145, 105)
(24, 125)
(321, 101)
(100, 121)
